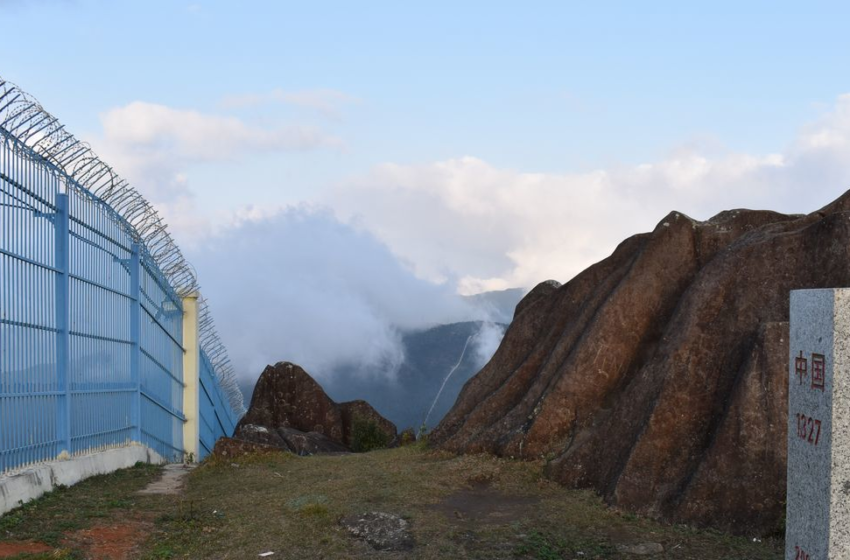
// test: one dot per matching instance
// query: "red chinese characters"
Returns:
(801, 367)
(801, 370)
(818, 368)
(801, 554)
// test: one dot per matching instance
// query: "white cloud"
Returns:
(304, 287)
(830, 132)
(387, 251)
(327, 102)
(153, 147)
(464, 220)
(486, 341)
(197, 136)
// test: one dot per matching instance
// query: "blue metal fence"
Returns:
(220, 397)
(31, 393)
(216, 414)
(91, 314)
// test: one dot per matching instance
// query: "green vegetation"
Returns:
(54, 518)
(473, 506)
(77, 507)
(366, 435)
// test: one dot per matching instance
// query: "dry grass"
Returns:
(459, 507)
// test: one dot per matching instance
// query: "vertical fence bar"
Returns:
(136, 338)
(62, 230)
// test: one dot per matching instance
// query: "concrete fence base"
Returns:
(28, 484)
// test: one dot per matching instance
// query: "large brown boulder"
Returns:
(291, 411)
(659, 375)
(287, 397)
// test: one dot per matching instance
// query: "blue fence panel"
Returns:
(206, 406)
(161, 365)
(30, 393)
(217, 417)
(100, 301)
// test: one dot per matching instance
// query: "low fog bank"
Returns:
(302, 286)
(486, 341)
(498, 305)
(422, 382)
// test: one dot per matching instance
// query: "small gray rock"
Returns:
(384, 531)
(642, 549)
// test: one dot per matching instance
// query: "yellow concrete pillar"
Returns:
(191, 376)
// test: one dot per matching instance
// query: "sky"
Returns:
(338, 172)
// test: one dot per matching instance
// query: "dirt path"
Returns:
(171, 482)
(484, 506)
(121, 538)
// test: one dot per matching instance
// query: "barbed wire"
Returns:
(217, 354)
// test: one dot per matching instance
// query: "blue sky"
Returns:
(455, 147)
(538, 86)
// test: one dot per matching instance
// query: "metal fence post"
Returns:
(61, 224)
(136, 338)
(191, 378)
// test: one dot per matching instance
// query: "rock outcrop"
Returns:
(290, 410)
(287, 397)
(658, 376)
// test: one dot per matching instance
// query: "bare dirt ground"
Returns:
(17, 548)
(484, 506)
(115, 541)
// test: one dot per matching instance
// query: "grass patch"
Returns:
(240, 507)
(291, 506)
(47, 518)
(541, 545)
(366, 435)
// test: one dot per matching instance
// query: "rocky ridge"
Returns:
(658, 376)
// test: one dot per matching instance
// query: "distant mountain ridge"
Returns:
(430, 355)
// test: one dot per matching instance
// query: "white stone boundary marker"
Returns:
(818, 503)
